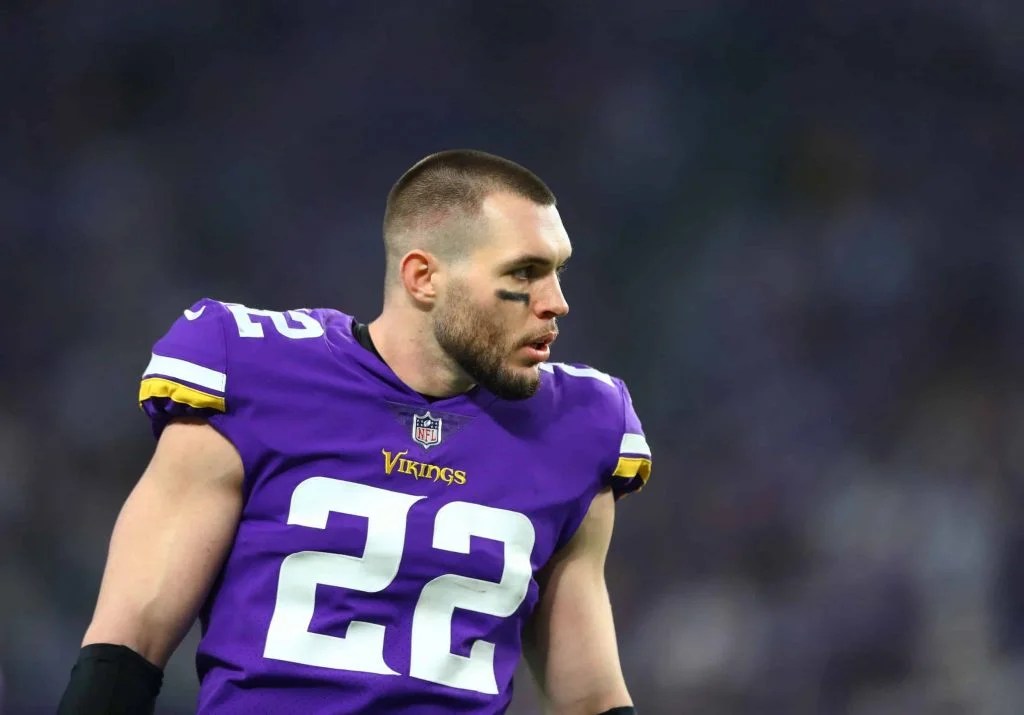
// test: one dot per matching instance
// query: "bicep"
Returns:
(169, 542)
(571, 645)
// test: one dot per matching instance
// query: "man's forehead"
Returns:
(518, 225)
(505, 205)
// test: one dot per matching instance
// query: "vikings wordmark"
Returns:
(421, 470)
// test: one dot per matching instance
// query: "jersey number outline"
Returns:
(362, 647)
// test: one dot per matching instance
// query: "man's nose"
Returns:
(552, 303)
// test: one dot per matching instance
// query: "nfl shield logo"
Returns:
(426, 430)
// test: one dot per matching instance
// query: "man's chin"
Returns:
(531, 378)
(519, 383)
(528, 370)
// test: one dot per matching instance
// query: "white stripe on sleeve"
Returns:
(633, 443)
(188, 371)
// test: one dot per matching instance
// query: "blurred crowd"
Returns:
(799, 237)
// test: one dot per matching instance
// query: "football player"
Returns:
(382, 517)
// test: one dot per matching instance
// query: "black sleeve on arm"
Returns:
(623, 710)
(111, 680)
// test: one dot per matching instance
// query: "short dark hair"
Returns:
(457, 180)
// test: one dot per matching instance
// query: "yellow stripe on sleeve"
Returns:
(629, 467)
(159, 387)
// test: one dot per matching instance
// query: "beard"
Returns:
(480, 347)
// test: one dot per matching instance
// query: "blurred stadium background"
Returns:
(799, 234)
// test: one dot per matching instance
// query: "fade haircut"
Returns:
(450, 184)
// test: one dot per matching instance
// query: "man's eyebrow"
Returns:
(533, 260)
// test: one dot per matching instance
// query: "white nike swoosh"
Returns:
(190, 315)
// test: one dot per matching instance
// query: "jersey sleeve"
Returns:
(633, 466)
(187, 371)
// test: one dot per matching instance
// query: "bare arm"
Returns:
(169, 542)
(571, 646)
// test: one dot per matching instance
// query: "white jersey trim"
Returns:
(185, 370)
(578, 371)
(633, 443)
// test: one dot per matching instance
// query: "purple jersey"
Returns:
(388, 544)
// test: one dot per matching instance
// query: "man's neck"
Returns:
(412, 353)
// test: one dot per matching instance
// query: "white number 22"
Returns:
(362, 647)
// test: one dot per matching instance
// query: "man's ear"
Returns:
(418, 271)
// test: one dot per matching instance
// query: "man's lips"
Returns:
(542, 341)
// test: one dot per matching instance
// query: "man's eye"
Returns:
(522, 274)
